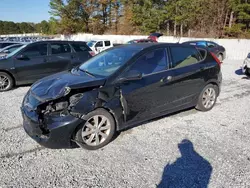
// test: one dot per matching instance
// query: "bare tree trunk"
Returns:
(231, 19)
(189, 32)
(168, 28)
(225, 21)
(175, 25)
(116, 17)
(181, 30)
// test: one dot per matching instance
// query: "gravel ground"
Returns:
(145, 156)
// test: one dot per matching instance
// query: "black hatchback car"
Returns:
(117, 89)
(36, 60)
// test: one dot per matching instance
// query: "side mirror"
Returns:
(22, 57)
(131, 76)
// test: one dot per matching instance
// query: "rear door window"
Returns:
(80, 47)
(184, 56)
(60, 48)
(36, 50)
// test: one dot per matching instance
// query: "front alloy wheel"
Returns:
(97, 131)
(6, 82)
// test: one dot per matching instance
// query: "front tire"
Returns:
(207, 98)
(6, 82)
(97, 130)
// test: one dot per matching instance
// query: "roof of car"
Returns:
(42, 41)
(147, 45)
(198, 41)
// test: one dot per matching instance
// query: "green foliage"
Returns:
(234, 31)
(213, 18)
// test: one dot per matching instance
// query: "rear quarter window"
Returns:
(184, 56)
(80, 47)
(60, 48)
(107, 43)
(203, 53)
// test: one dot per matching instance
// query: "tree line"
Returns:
(45, 27)
(193, 18)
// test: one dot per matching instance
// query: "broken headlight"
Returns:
(61, 105)
(74, 99)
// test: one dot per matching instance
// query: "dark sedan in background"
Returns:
(36, 60)
(217, 49)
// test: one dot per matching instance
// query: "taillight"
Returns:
(92, 53)
(216, 58)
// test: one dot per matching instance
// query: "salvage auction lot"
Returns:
(138, 157)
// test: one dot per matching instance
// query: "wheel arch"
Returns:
(9, 73)
(73, 134)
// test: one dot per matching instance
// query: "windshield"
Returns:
(15, 51)
(91, 43)
(107, 62)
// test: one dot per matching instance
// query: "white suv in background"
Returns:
(100, 45)
(246, 65)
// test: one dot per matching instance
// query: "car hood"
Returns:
(60, 84)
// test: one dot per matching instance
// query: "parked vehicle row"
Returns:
(26, 38)
(118, 88)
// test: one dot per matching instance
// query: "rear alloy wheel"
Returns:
(207, 98)
(6, 82)
(97, 131)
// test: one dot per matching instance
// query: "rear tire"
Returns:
(6, 82)
(96, 131)
(207, 98)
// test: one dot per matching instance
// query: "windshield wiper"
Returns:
(87, 72)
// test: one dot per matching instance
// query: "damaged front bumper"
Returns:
(56, 130)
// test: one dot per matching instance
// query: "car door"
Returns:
(81, 53)
(31, 62)
(152, 94)
(60, 56)
(99, 46)
(189, 71)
